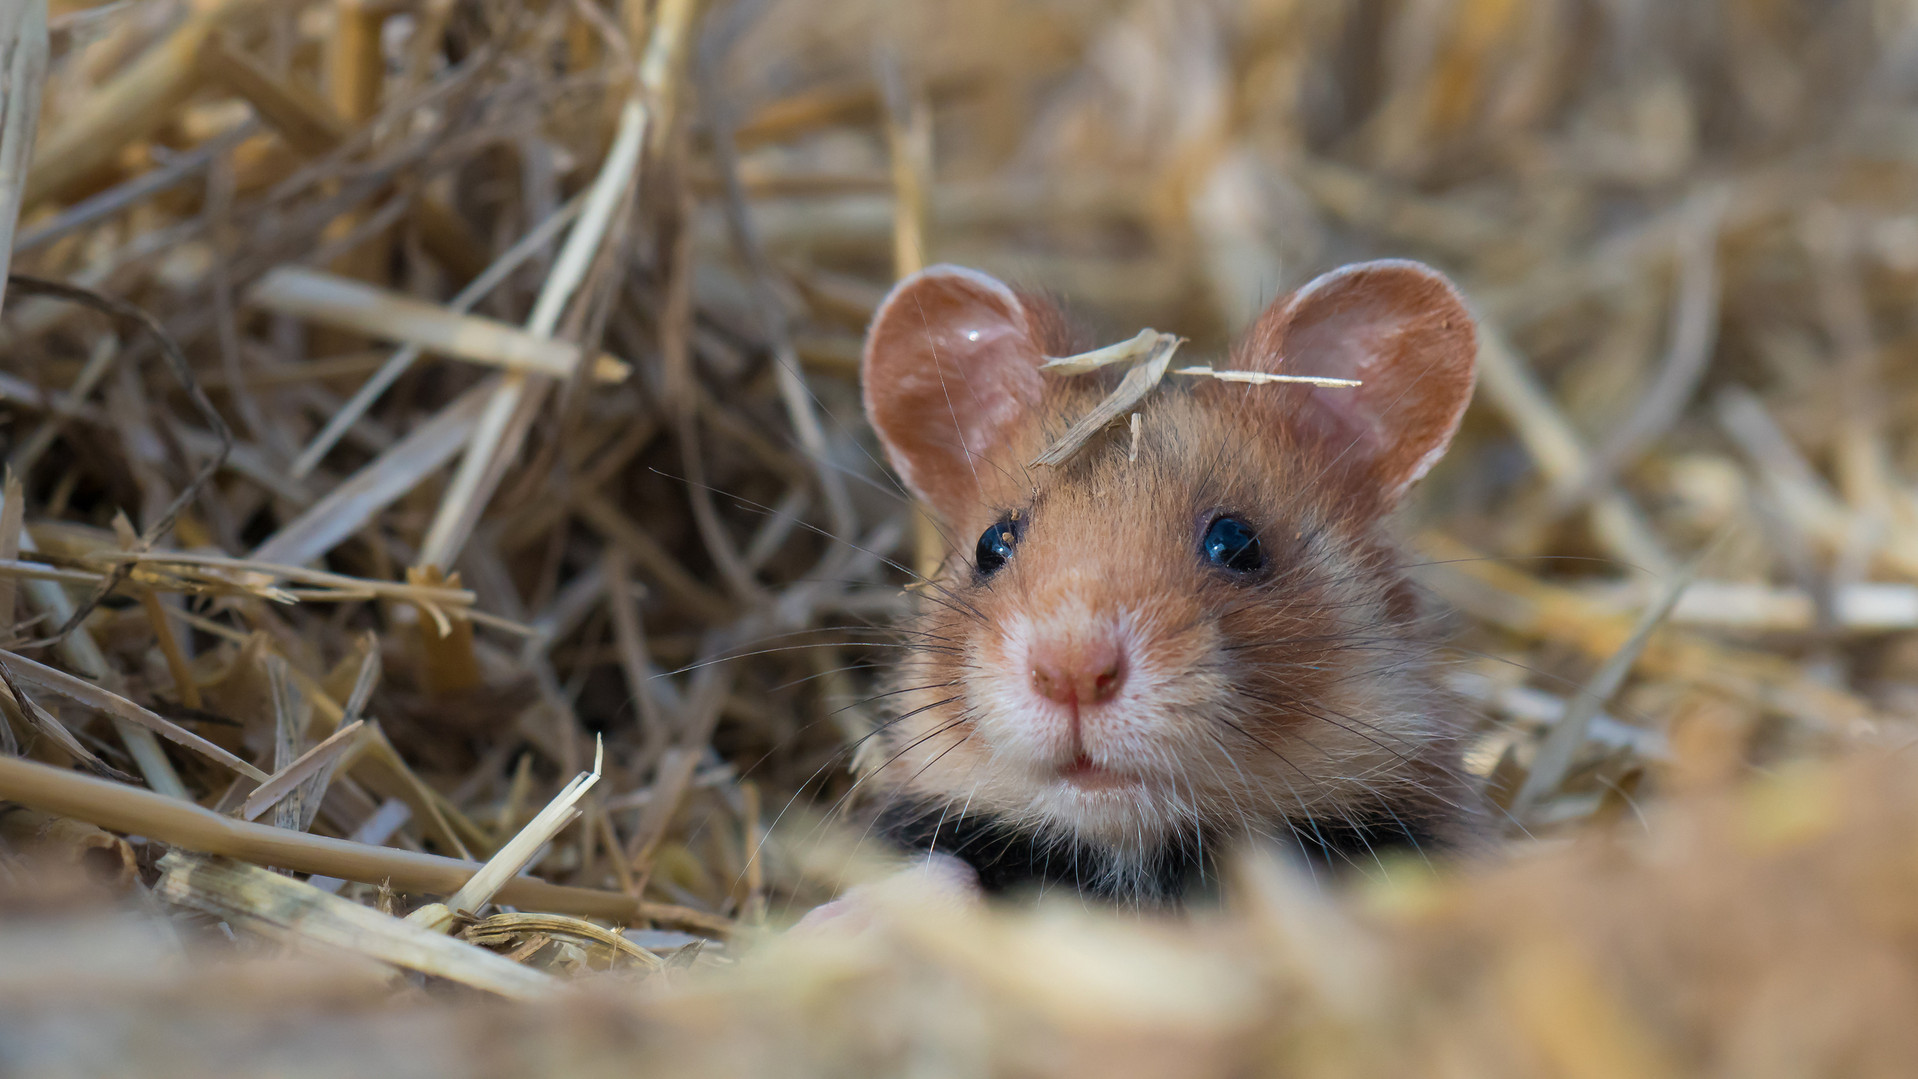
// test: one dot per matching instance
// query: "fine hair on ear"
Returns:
(1403, 331)
(951, 364)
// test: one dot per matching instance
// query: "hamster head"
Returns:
(1127, 663)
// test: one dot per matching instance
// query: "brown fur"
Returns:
(1273, 706)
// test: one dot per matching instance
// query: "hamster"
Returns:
(1125, 667)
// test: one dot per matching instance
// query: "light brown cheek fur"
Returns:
(1243, 708)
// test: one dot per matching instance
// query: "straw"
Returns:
(23, 65)
(449, 544)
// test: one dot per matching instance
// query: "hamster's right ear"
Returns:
(951, 365)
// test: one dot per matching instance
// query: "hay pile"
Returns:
(403, 396)
(1764, 933)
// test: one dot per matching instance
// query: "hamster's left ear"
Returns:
(1403, 330)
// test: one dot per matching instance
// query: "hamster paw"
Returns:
(938, 879)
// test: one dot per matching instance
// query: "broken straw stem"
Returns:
(516, 855)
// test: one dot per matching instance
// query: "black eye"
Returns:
(995, 545)
(1231, 543)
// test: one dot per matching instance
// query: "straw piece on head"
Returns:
(1132, 389)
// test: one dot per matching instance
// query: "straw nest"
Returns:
(442, 563)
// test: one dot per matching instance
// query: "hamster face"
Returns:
(1115, 681)
(1131, 662)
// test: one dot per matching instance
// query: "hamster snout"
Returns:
(1057, 686)
(1077, 670)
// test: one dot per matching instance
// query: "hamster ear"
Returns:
(951, 366)
(1399, 327)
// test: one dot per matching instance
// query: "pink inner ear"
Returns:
(1401, 329)
(951, 365)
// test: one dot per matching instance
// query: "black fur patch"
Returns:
(1341, 843)
(1009, 858)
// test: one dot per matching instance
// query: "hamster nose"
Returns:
(1077, 672)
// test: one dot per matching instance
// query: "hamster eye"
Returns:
(1231, 543)
(995, 545)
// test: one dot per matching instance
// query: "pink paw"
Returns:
(938, 878)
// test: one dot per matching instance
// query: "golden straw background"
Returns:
(434, 441)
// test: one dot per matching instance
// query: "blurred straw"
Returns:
(139, 99)
(23, 66)
(254, 899)
(1556, 448)
(127, 809)
(1692, 337)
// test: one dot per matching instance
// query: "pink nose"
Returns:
(1077, 672)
